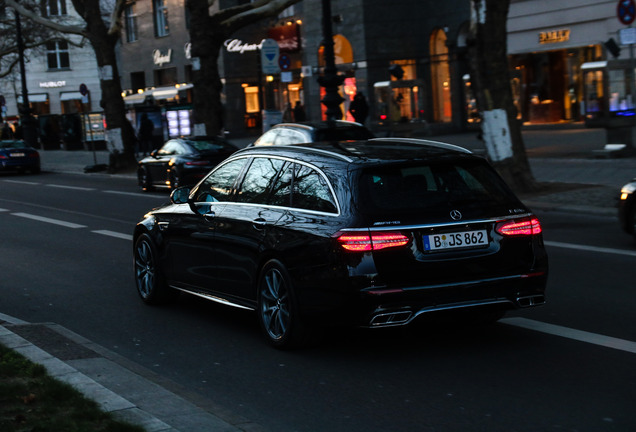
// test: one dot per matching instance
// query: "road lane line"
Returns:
(4, 210)
(22, 182)
(570, 333)
(114, 234)
(135, 194)
(49, 220)
(591, 248)
(70, 187)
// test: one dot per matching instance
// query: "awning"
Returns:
(165, 92)
(136, 98)
(38, 97)
(70, 96)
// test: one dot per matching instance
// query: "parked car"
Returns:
(182, 161)
(627, 208)
(371, 233)
(306, 132)
(16, 155)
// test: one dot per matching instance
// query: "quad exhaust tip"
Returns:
(392, 318)
(530, 301)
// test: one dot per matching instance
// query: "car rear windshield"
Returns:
(12, 144)
(343, 134)
(207, 146)
(416, 187)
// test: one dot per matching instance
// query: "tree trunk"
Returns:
(121, 135)
(207, 36)
(490, 76)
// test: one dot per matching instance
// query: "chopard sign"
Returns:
(238, 46)
(161, 59)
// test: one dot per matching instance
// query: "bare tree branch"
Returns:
(81, 31)
(115, 18)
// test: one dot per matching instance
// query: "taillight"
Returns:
(519, 227)
(197, 163)
(377, 241)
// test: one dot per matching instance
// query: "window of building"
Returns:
(51, 8)
(58, 55)
(131, 22)
(440, 77)
(251, 100)
(160, 13)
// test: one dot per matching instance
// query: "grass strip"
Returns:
(33, 401)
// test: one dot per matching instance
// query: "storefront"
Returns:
(547, 50)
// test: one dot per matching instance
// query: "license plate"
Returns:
(455, 240)
(16, 154)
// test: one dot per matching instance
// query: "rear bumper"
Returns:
(390, 307)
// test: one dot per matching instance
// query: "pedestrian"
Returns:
(287, 114)
(359, 108)
(146, 128)
(299, 112)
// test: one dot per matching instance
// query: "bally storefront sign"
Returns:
(554, 36)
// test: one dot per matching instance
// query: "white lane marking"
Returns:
(114, 234)
(591, 248)
(570, 333)
(70, 187)
(4, 210)
(22, 182)
(49, 220)
(132, 194)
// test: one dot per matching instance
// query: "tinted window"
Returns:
(209, 146)
(418, 187)
(281, 193)
(311, 192)
(218, 185)
(258, 180)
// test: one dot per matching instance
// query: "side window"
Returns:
(258, 180)
(218, 185)
(281, 192)
(168, 149)
(311, 191)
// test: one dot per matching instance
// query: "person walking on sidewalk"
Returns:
(146, 128)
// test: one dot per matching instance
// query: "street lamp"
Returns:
(330, 80)
(28, 127)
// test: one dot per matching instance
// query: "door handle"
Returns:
(259, 223)
(209, 216)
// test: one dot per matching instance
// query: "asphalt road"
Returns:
(65, 257)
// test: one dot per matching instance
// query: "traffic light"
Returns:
(613, 47)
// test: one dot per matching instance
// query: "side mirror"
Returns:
(180, 195)
(154, 153)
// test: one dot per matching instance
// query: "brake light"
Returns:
(522, 227)
(382, 116)
(197, 163)
(377, 241)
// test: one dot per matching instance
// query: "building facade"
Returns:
(62, 82)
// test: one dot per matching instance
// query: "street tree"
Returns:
(100, 24)
(501, 130)
(210, 26)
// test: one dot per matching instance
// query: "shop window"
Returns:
(251, 100)
(594, 93)
(130, 17)
(440, 77)
(408, 68)
(51, 8)
(160, 14)
(58, 55)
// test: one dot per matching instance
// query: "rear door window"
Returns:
(258, 180)
(411, 188)
(311, 191)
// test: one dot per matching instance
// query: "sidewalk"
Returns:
(581, 182)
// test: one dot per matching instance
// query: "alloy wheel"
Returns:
(275, 304)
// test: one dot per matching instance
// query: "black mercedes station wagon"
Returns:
(370, 233)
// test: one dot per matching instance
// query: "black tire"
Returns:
(150, 282)
(144, 180)
(632, 219)
(277, 308)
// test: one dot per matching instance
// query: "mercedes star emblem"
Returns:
(455, 215)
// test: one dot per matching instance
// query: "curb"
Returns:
(122, 389)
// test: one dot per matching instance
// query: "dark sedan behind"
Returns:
(182, 161)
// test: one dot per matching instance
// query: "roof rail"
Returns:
(425, 143)
(321, 151)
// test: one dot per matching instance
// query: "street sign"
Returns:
(284, 61)
(626, 11)
(269, 56)
(627, 36)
